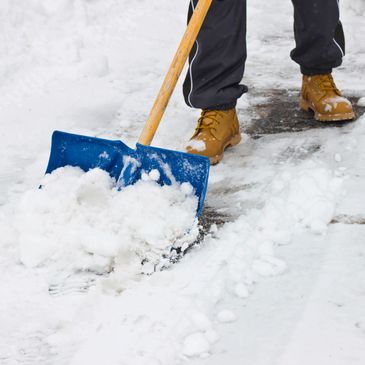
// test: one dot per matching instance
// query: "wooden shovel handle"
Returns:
(174, 72)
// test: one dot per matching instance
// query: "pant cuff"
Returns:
(311, 72)
(222, 106)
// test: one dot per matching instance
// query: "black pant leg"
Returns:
(217, 61)
(319, 37)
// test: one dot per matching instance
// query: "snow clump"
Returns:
(226, 316)
(196, 345)
(304, 198)
(82, 222)
(361, 102)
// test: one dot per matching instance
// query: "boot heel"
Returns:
(235, 140)
(304, 105)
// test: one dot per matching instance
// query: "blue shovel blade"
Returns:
(126, 165)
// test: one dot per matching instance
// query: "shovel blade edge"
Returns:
(69, 149)
(126, 165)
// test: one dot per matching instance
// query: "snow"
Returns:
(281, 279)
(226, 316)
(338, 99)
(82, 222)
(358, 6)
(338, 157)
(197, 145)
(361, 102)
(196, 345)
(328, 108)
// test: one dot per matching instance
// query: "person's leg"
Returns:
(217, 60)
(320, 47)
(319, 37)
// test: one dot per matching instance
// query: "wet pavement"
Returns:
(276, 111)
(279, 112)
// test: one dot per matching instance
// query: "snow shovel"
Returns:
(127, 165)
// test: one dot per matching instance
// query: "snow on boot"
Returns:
(216, 130)
(320, 94)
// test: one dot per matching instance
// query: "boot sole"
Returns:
(233, 142)
(306, 106)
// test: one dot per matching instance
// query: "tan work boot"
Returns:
(320, 94)
(216, 130)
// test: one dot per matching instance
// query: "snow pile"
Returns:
(188, 306)
(92, 66)
(80, 221)
(302, 198)
(299, 198)
(40, 33)
(175, 314)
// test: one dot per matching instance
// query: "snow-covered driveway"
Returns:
(280, 276)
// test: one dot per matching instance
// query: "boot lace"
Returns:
(207, 121)
(327, 83)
